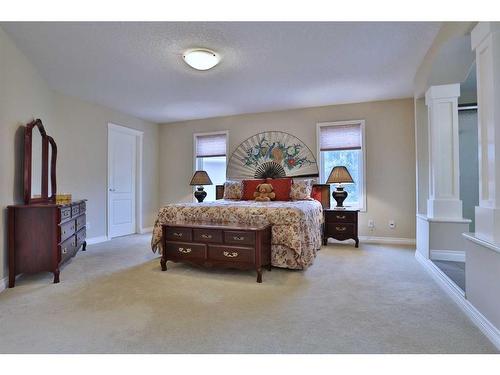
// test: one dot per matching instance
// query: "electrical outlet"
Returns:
(392, 224)
(371, 223)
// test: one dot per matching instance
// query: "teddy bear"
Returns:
(264, 193)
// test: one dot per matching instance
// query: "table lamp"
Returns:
(200, 178)
(339, 175)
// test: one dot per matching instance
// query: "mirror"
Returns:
(36, 165)
(40, 153)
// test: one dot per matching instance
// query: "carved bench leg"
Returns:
(163, 264)
(259, 275)
(84, 246)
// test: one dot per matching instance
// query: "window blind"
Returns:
(340, 137)
(210, 145)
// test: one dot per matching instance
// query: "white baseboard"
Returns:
(3, 284)
(458, 296)
(94, 240)
(388, 240)
(451, 255)
(146, 230)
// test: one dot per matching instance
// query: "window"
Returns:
(210, 156)
(342, 143)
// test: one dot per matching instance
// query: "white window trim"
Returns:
(195, 166)
(319, 125)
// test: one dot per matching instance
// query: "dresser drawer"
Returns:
(83, 207)
(185, 250)
(68, 248)
(207, 235)
(239, 237)
(75, 210)
(343, 217)
(67, 230)
(178, 234)
(80, 237)
(231, 253)
(81, 221)
(65, 213)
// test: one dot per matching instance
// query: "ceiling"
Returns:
(137, 67)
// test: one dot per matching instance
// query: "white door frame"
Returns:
(139, 135)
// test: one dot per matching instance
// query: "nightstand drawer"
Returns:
(340, 216)
(341, 228)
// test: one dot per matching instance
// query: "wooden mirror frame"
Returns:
(46, 142)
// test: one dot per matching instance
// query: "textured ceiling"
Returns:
(137, 68)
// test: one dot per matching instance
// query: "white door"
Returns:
(122, 154)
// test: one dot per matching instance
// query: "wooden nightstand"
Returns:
(341, 225)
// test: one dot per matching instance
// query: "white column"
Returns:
(485, 40)
(444, 184)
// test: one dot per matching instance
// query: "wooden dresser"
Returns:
(44, 236)
(225, 245)
(341, 225)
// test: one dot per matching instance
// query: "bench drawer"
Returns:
(207, 235)
(178, 234)
(239, 237)
(231, 254)
(185, 250)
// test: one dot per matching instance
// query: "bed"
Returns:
(296, 225)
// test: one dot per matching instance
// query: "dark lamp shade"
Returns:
(200, 178)
(339, 175)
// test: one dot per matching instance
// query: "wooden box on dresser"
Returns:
(228, 245)
(44, 236)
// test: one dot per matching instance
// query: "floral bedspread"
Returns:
(296, 225)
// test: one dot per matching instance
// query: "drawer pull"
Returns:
(177, 234)
(238, 238)
(340, 217)
(187, 250)
(64, 250)
(207, 236)
(232, 254)
(341, 229)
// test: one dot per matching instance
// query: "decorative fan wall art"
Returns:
(272, 154)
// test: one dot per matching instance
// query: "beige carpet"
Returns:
(114, 299)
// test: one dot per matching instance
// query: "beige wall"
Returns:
(80, 130)
(390, 154)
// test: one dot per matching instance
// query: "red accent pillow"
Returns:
(250, 187)
(281, 187)
(316, 193)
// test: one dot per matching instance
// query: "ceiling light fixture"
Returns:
(201, 58)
